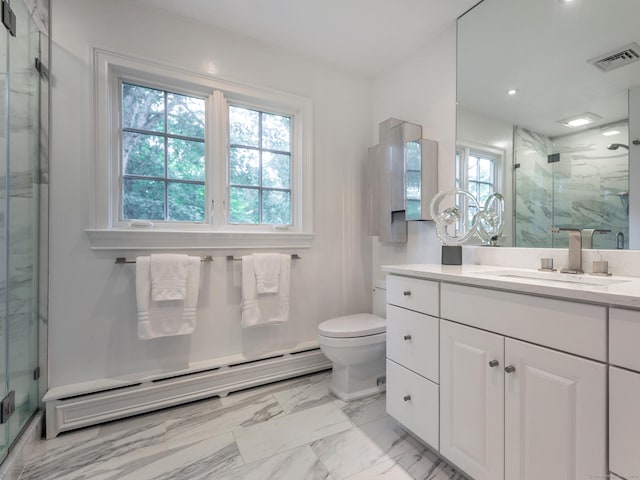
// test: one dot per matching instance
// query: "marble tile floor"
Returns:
(290, 430)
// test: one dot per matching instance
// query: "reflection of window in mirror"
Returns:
(478, 171)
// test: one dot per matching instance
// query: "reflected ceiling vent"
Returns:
(617, 58)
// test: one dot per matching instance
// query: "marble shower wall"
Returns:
(533, 191)
(585, 188)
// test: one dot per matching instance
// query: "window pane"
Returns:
(143, 199)
(483, 194)
(185, 159)
(276, 170)
(472, 170)
(142, 108)
(185, 115)
(244, 127)
(244, 166)
(486, 173)
(276, 207)
(413, 181)
(413, 155)
(142, 154)
(413, 209)
(244, 205)
(186, 202)
(276, 132)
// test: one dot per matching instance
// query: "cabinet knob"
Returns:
(407, 293)
(407, 337)
(407, 398)
(509, 369)
(494, 363)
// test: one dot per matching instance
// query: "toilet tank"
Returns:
(379, 307)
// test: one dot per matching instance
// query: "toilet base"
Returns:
(353, 382)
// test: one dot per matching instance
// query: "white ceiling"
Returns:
(542, 48)
(365, 36)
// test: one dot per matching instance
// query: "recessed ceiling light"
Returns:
(513, 91)
(580, 120)
(609, 133)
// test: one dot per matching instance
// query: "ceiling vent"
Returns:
(617, 58)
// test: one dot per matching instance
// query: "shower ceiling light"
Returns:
(513, 91)
(580, 120)
(611, 132)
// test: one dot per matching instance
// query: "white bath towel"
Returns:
(267, 269)
(169, 317)
(267, 308)
(169, 277)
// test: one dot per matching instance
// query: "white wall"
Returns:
(92, 331)
(420, 90)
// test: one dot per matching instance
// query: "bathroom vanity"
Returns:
(517, 374)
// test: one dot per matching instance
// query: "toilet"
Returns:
(356, 344)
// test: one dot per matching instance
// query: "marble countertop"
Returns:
(613, 291)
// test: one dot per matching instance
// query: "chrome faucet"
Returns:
(587, 236)
(575, 249)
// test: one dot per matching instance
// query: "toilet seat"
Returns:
(352, 326)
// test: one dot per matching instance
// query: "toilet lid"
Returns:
(358, 325)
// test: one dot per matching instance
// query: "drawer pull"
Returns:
(406, 398)
(407, 293)
(510, 369)
(494, 363)
(407, 337)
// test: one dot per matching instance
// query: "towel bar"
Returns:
(294, 256)
(120, 260)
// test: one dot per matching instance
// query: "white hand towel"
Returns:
(166, 318)
(267, 270)
(169, 277)
(269, 308)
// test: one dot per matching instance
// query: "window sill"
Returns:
(185, 240)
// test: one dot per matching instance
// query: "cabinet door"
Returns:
(555, 415)
(624, 422)
(472, 400)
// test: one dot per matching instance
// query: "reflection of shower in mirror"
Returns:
(624, 199)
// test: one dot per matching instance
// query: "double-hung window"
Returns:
(178, 151)
(478, 171)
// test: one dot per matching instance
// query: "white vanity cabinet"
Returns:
(412, 356)
(522, 381)
(510, 409)
(624, 392)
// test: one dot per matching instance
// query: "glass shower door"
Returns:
(4, 430)
(21, 218)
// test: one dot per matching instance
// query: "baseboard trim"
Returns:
(93, 408)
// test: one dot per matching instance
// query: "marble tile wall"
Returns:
(583, 189)
(294, 429)
(533, 196)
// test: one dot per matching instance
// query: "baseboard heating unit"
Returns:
(99, 401)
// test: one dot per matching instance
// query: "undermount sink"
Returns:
(558, 277)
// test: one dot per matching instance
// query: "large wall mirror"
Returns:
(548, 115)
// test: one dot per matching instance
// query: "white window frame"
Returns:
(108, 231)
(462, 162)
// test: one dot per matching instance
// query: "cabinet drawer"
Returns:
(414, 294)
(413, 401)
(563, 325)
(624, 338)
(624, 422)
(412, 341)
